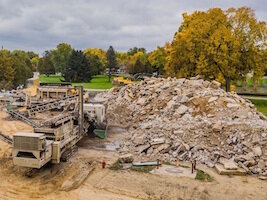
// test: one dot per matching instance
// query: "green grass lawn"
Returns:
(97, 82)
(51, 79)
(249, 89)
(261, 105)
(250, 82)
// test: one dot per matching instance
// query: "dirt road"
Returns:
(98, 183)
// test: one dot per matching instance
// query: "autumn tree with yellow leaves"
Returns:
(222, 45)
(157, 59)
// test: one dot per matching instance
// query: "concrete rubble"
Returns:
(181, 119)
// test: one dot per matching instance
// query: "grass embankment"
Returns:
(203, 176)
(116, 166)
(144, 169)
(97, 82)
(261, 105)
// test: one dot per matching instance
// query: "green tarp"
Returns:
(100, 133)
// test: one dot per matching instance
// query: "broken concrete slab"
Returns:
(126, 158)
(217, 127)
(212, 99)
(257, 150)
(232, 105)
(156, 141)
(222, 171)
(171, 103)
(182, 109)
(215, 84)
(139, 139)
(184, 99)
(141, 101)
(264, 178)
(228, 164)
(142, 148)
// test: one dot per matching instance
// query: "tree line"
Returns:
(16, 67)
(80, 66)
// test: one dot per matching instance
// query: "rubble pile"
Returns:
(180, 119)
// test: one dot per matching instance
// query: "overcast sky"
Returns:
(41, 25)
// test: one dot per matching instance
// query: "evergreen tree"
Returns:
(77, 69)
(111, 61)
(94, 64)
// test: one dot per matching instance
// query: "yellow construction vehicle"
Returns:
(122, 81)
(30, 91)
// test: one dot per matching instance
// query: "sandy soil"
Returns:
(22, 183)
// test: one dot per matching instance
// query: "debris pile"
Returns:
(180, 119)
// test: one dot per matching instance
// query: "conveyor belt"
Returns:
(51, 105)
(6, 138)
(23, 118)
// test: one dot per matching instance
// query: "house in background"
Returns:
(122, 69)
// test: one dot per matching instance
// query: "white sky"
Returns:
(40, 25)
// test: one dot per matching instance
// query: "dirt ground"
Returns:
(89, 181)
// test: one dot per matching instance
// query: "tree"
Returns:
(251, 35)
(210, 43)
(139, 63)
(134, 50)
(96, 60)
(60, 56)
(77, 68)
(221, 55)
(7, 72)
(122, 58)
(95, 64)
(168, 67)
(32, 54)
(15, 68)
(35, 61)
(45, 65)
(157, 59)
(100, 53)
(22, 65)
(111, 61)
(137, 67)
